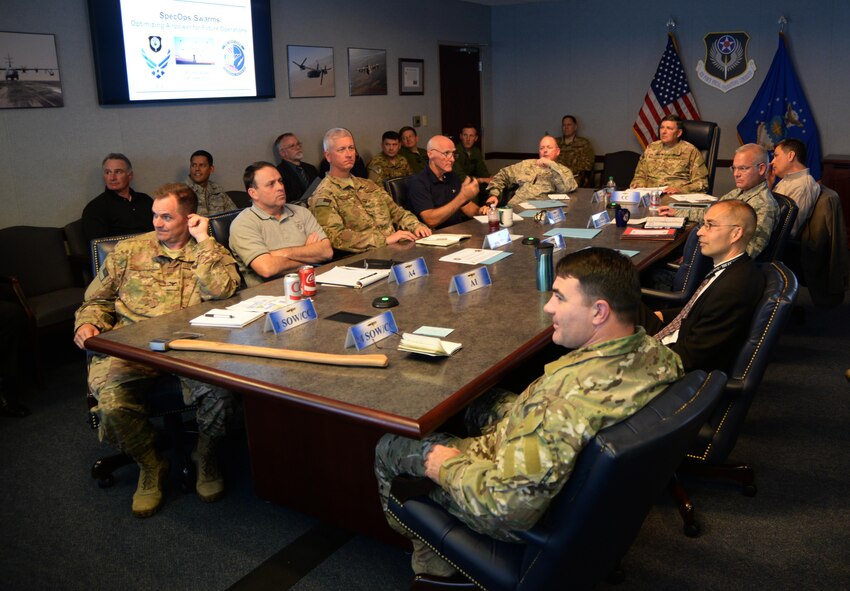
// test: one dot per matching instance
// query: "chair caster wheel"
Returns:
(692, 530)
(106, 481)
(749, 490)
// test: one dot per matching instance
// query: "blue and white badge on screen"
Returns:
(555, 216)
(290, 316)
(465, 282)
(371, 331)
(497, 239)
(404, 272)
(597, 220)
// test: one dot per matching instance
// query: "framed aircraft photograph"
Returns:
(411, 76)
(311, 72)
(32, 71)
(367, 71)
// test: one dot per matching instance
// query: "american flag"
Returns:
(669, 94)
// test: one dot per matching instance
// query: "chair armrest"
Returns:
(18, 290)
(537, 535)
(664, 296)
(405, 487)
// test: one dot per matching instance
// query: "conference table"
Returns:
(312, 428)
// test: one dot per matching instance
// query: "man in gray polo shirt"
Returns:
(272, 238)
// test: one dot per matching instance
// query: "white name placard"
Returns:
(404, 272)
(465, 282)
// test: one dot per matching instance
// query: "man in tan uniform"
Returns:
(671, 162)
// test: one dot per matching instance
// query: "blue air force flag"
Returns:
(780, 110)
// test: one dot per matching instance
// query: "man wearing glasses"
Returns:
(749, 167)
(436, 194)
(535, 178)
(297, 175)
(709, 329)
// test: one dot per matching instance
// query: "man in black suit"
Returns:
(297, 175)
(709, 330)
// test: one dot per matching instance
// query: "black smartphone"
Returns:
(348, 317)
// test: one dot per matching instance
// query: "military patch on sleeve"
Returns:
(322, 201)
(103, 273)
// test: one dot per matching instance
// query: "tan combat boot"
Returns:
(153, 471)
(210, 484)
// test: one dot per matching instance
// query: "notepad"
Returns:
(434, 347)
(442, 239)
(656, 222)
(221, 318)
(352, 276)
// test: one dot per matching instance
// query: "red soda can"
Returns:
(292, 287)
(308, 281)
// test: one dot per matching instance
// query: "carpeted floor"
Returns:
(60, 531)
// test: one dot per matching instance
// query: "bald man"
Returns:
(536, 178)
(436, 194)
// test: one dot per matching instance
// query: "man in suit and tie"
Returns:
(297, 175)
(708, 331)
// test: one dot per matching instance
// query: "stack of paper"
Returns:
(655, 222)
(226, 318)
(356, 277)
(414, 343)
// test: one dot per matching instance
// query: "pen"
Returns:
(367, 276)
(218, 315)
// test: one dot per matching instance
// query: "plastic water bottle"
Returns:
(609, 190)
(493, 219)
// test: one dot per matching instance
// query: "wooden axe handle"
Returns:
(377, 360)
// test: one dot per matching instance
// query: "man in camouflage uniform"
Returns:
(176, 266)
(388, 164)
(576, 152)
(355, 213)
(410, 151)
(212, 199)
(469, 160)
(671, 162)
(503, 480)
(749, 167)
(536, 178)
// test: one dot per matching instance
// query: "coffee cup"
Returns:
(506, 216)
(621, 216)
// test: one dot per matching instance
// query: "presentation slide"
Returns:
(185, 49)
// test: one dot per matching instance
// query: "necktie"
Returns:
(676, 323)
(301, 175)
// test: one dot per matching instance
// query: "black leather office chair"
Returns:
(220, 226)
(397, 188)
(164, 400)
(818, 256)
(37, 273)
(775, 248)
(592, 522)
(716, 439)
(705, 136)
(688, 275)
(78, 250)
(620, 165)
(240, 198)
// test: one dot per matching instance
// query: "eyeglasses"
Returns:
(735, 169)
(447, 154)
(709, 225)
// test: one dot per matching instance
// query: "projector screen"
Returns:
(165, 50)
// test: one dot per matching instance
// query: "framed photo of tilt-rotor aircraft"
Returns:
(311, 71)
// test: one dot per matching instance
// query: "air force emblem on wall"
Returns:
(726, 65)
(234, 58)
(156, 62)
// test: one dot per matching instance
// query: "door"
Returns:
(460, 89)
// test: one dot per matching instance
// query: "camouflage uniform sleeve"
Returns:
(374, 168)
(216, 270)
(567, 182)
(325, 210)
(641, 177)
(766, 214)
(501, 180)
(588, 158)
(699, 174)
(99, 303)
